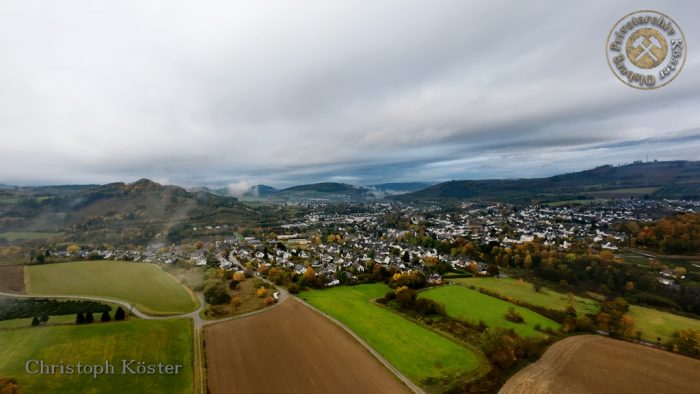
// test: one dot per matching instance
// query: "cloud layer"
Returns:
(278, 92)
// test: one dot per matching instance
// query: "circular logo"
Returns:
(646, 49)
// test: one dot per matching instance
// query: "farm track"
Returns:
(593, 364)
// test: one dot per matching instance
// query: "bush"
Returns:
(426, 306)
(215, 293)
(514, 316)
(119, 314)
(89, 318)
(233, 284)
(269, 301)
(293, 288)
(35, 321)
(105, 317)
(79, 318)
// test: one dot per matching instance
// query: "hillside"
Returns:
(327, 190)
(672, 179)
(400, 187)
(143, 210)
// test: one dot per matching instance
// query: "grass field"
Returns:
(14, 235)
(656, 324)
(416, 351)
(142, 284)
(152, 341)
(524, 291)
(53, 320)
(474, 306)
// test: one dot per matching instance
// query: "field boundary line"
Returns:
(412, 386)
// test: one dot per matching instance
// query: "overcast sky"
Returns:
(287, 92)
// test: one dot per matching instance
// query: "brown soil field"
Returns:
(12, 279)
(291, 349)
(594, 364)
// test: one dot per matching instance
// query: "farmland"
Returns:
(524, 291)
(12, 279)
(417, 352)
(291, 349)
(592, 364)
(145, 285)
(167, 341)
(471, 305)
(656, 324)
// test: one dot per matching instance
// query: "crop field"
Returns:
(12, 279)
(145, 285)
(473, 306)
(14, 235)
(593, 364)
(524, 291)
(291, 349)
(416, 351)
(656, 324)
(153, 341)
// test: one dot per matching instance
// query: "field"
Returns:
(524, 291)
(474, 306)
(653, 323)
(417, 352)
(53, 320)
(291, 349)
(12, 279)
(166, 341)
(14, 236)
(145, 285)
(593, 364)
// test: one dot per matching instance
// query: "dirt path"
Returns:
(291, 349)
(594, 364)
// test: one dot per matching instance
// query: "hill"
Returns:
(671, 179)
(328, 191)
(120, 212)
(400, 187)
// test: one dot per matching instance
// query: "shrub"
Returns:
(293, 288)
(105, 317)
(269, 301)
(215, 293)
(79, 318)
(89, 318)
(119, 314)
(261, 292)
(514, 316)
(35, 321)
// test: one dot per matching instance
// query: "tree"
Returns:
(73, 249)
(236, 302)
(79, 318)
(679, 272)
(119, 314)
(527, 263)
(269, 301)
(105, 317)
(215, 293)
(261, 292)
(239, 276)
(9, 386)
(310, 274)
(35, 321)
(89, 318)
(44, 318)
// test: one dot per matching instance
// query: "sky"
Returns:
(238, 93)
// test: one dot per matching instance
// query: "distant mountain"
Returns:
(261, 191)
(400, 187)
(327, 190)
(143, 210)
(670, 179)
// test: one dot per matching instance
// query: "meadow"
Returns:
(657, 324)
(419, 353)
(471, 305)
(524, 291)
(144, 285)
(153, 341)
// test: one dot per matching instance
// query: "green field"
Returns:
(524, 291)
(152, 341)
(145, 285)
(653, 323)
(53, 320)
(417, 352)
(14, 235)
(474, 306)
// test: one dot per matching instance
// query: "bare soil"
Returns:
(291, 349)
(594, 364)
(12, 279)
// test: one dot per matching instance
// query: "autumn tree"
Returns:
(236, 302)
(261, 292)
(73, 249)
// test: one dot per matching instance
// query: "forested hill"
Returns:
(669, 179)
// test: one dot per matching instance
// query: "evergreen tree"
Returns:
(89, 318)
(119, 314)
(44, 318)
(35, 321)
(79, 318)
(105, 317)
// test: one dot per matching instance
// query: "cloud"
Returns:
(215, 92)
(241, 187)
